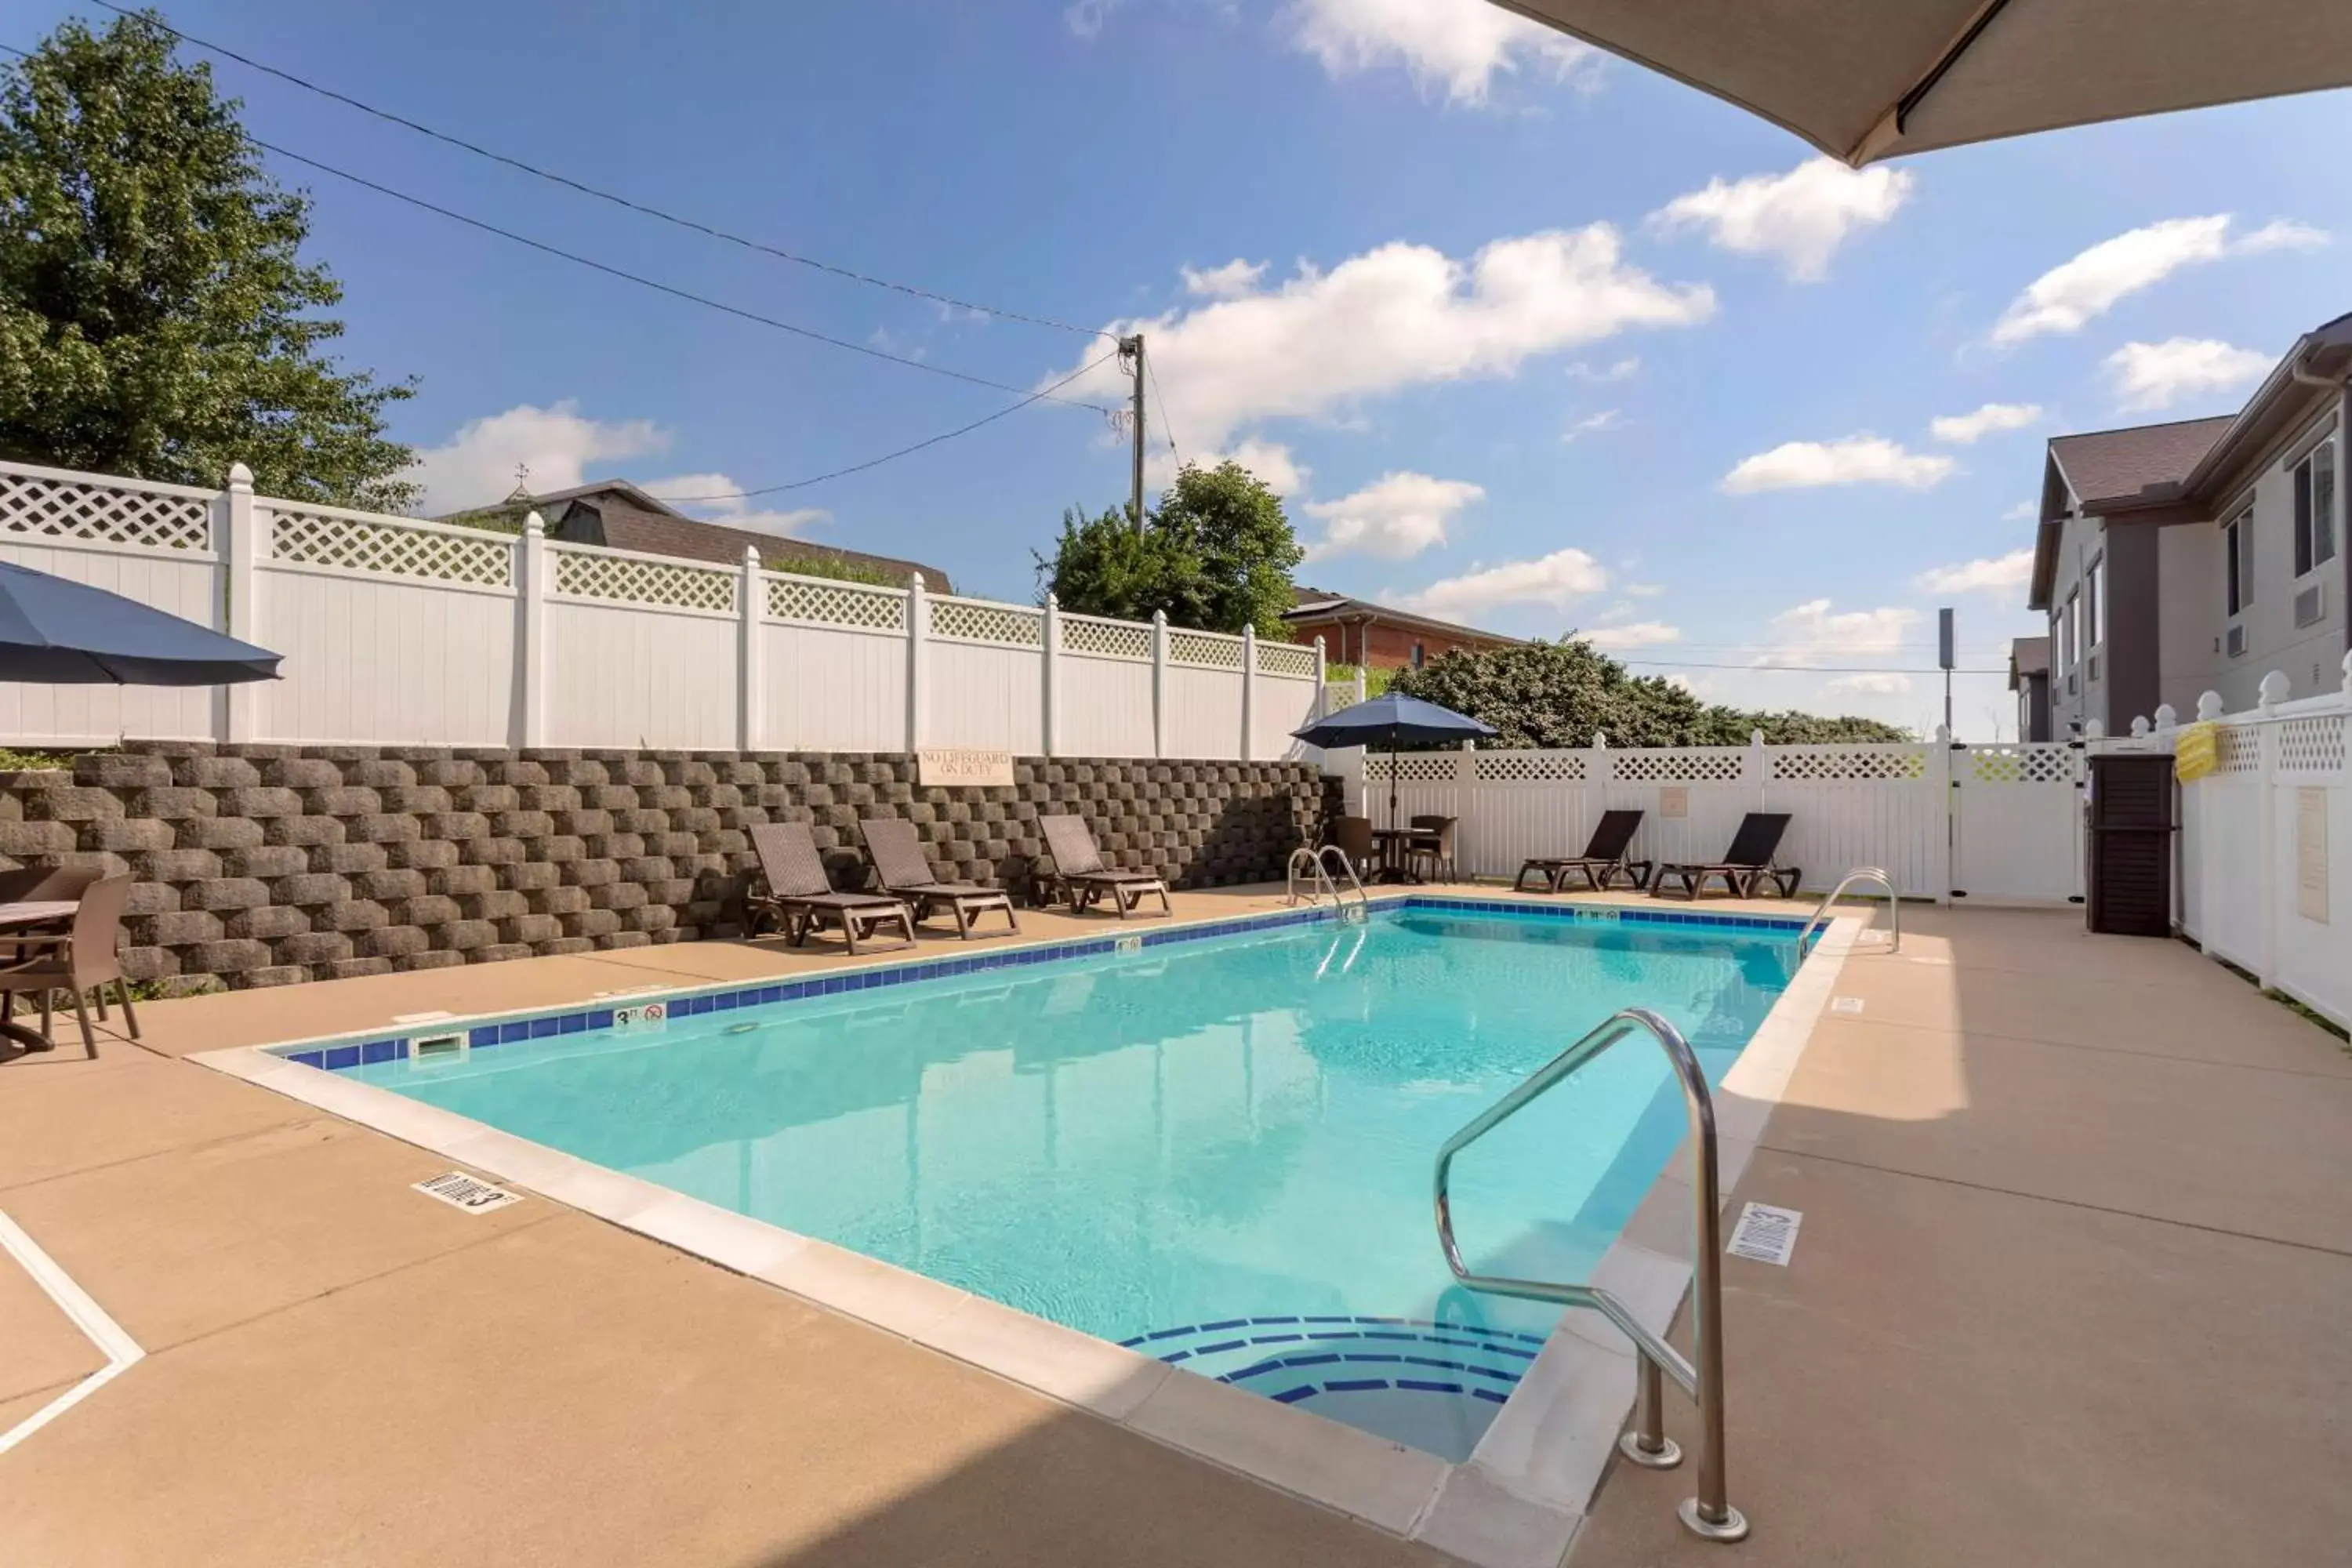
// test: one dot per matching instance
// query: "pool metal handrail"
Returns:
(1346, 867)
(1884, 878)
(1709, 1515)
(1313, 861)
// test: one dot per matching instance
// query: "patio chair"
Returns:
(1082, 875)
(1748, 862)
(896, 848)
(1603, 862)
(1431, 845)
(801, 897)
(1353, 834)
(78, 959)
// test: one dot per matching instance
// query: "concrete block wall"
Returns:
(267, 865)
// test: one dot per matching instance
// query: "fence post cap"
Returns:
(1053, 600)
(751, 555)
(2274, 688)
(1755, 737)
(1943, 735)
(1159, 617)
(534, 523)
(2093, 730)
(914, 580)
(2348, 675)
(1600, 740)
(240, 477)
(2140, 727)
(2209, 706)
(2167, 717)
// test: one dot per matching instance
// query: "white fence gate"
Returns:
(397, 631)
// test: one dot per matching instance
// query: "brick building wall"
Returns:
(261, 865)
(1383, 646)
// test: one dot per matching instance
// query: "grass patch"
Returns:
(14, 761)
(2309, 1014)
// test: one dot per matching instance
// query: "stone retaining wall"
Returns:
(267, 865)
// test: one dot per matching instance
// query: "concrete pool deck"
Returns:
(2074, 1247)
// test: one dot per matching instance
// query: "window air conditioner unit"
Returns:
(2310, 605)
(2237, 642)
(2092, 668)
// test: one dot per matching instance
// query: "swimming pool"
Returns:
(1216, 1150)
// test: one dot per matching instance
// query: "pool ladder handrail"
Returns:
(1709, 1515)
(1884, 878)
(1318, 861)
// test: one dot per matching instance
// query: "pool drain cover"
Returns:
(1765, 1234)
(471, 1193)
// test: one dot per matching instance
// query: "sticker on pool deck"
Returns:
(1765, 1234)
(1845, 1004)
(639, 1016)
(471, 1193)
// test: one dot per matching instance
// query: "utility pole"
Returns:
(1131, 350)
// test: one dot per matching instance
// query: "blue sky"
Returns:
(1533, 339)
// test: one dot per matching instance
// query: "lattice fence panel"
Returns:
(634, 581)
(1286, 658)
(1728, 765)
(1106, 639)
(1205, 649)
(2026, 765)
(2312, 745)
(1844, 766)
(1415, 767)
(59, 508)
(836, 605)
(1531, 767)
(318, 539)
(980, 620)
(2241, 749)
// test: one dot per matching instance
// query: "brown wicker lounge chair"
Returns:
(1748, 862)
(1083, 877)
(78, 959)
(800, 896)
(896, 847)
(1603, 862)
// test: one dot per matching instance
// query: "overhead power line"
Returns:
(670, 289)
(603, 196)
(1798, 668)
(889, 457)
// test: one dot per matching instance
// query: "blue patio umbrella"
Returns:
(1398, 720)
(56, 631)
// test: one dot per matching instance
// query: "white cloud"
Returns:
(2023, 511)
(1616, 369)
(1807, 633)
(1556, 580)
(1875, 683)
(2156, 375)
(1642, 590)
(2069, 295)
(1396, 516)
(1086, 17)
(477, 466)
(1632, 633)
(1235, 276)
(1990, 574)
(1593, 425)
(1965, 429)
(1801, 217)
(1274, 464)
(1863, 459)
(1397, 316)
(687, 492)
(1456, 46)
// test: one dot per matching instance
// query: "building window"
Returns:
(1418, 655)
(2314, 508)
(2238, 558)
(2095, 602)
(2070, 627)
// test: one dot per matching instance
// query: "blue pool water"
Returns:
(1219, 1150)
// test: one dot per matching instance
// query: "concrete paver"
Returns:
(41, 1351)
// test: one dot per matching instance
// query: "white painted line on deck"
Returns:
(121, 1350)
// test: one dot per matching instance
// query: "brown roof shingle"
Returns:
(2146, 462)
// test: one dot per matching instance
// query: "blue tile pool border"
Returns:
(368, 1047)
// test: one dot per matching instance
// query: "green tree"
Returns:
(1550, 694)
(1215, 556)
(156, 318)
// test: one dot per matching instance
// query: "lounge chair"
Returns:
(77, 959)
(1603, 862)
(896, 847)
(801, 897)
(1083, 877)
(1748, 862)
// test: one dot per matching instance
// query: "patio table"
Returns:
(1394, 843)
(32, 916)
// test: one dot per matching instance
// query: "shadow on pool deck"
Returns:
(2069, 1289)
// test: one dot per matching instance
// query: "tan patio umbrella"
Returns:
(1866, 79)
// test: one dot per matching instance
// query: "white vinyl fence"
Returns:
(2266, 845)
(1998, 825)
(398, 631)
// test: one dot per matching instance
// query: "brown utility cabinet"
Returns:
(2131, 845)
